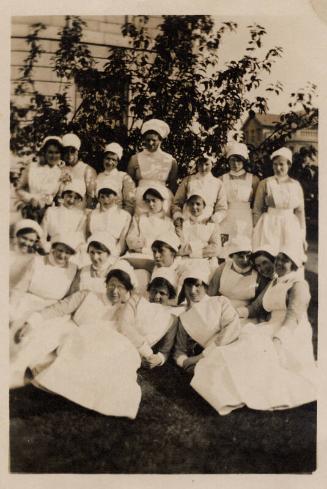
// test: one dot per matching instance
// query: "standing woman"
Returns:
(152, 164)
(279, 207)
(240, 187)
(40, 181)
(113, 153)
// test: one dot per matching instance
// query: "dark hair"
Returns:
(23, 231)
(190, 199)
(78, 195)
(264, 253)
(107, 192)
(50, 142)
(154, 193)
(159, 244)
(122, 276)
(152, 131)
(294, 266)
(202, 159)
(189, 281)
(70, 250)
(162, 282)
(98, 246)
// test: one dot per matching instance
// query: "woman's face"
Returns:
(196, 205)
(52, 154)
(97, 257)
(283, 265)
(154, 204)
(26, 242)
(106, 200)
(235, 163)
(116, 291)
(71, 199)
(61, 254)
(159, 294)
(264, 266)
(151, 141)
(70, 155)
(194, 290)
(241, 259)
(280, 166)
(163, 256)
(110, 161)
(204, 167)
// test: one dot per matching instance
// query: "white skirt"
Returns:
(250, 372)
(96, 368)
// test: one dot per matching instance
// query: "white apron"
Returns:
(279, 224)
(111, 221)
(250, 371)
(95, 366)
(43, 179)
(239, 289)
(154, 167)
(239, 213)
(152, 320)
(62, 220)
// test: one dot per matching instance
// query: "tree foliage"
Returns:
(176, 76)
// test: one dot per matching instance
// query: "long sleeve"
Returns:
(90, 177)
(133, 235)
(128, 194)
(75, 286)
(61, 308)
(255, 183)
(121, 245)
(259, 206)
(132, 168)
(180, 199)
(220, 207)
(172, 177)
(181, 343)
(21, 287)
(127, 327)
(214, 283)
(22, 186)
(214, 242)
(230, 324)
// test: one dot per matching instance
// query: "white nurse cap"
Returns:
(285, 152)
(114, 148)
(71, 140)
(237, 149)
(156, 125)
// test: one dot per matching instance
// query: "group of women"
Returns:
(120, 270)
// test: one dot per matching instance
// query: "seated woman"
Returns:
(263, 262)
(102, 251)
(201, 183)
(236, 278)
(200, 240)
(272, 365)
(146, 227)
(208, 321)
(108, 217)
(47, 280)
(68, 217)
(28, 238)
(74, 349)
(113, 153)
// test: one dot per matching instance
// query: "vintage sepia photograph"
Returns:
(163, 228)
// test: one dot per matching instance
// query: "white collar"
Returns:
(237, 173)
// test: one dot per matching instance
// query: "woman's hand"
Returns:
(242, 311)
(152, 361)
(190, 362)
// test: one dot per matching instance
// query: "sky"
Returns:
(302, 60)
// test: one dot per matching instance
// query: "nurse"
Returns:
(28, 237)
(201, 183)
(206, 323)
(271, 366)
(152, 164)
(279, 208)
(112, 154)
(76, 169)
(240, 187)
(40, 180)
(74, 348)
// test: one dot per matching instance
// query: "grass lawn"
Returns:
(176, 431)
